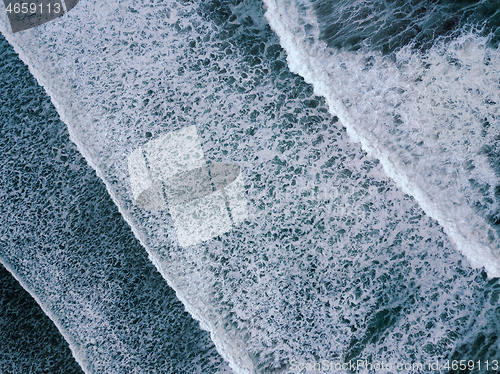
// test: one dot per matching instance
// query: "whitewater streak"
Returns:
(299, 268)
(229, 346)
(341, 78)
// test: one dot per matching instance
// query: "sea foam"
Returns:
(64, 241)
(333, 261)
(425, 115)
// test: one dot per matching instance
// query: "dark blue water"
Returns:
(388, 25)
(56, 214)
(30, 341)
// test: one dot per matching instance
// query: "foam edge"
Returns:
(307, 66)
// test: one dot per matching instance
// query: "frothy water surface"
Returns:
(334, 260)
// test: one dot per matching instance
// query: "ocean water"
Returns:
(368, 155)
(420, 93)
(64, 241)
(30, 341)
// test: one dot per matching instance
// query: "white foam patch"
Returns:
(330, 250)
(196, 192)
(422, 117)
(62, 240)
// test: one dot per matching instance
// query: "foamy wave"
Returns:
(332, 261)
(422, 115)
